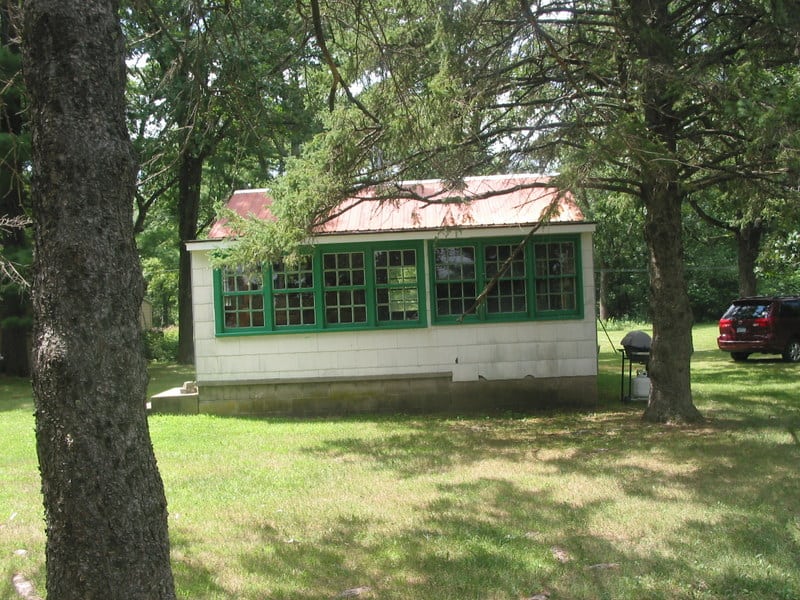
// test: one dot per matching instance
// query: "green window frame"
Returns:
(344, 283)
(292, 290)
(334, 287)
(382, 285)
(557, 281)
(510, 293)
(399, 284)
(241, 293)
(542, 282)
(455, 280)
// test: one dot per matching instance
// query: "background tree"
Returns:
(780, 262)
(105, 510)
(217, 90)
(621, 262)
(15, 307)
(745, 215)
(628, 97)
(620, 256)
(762, 108)
(160, 260)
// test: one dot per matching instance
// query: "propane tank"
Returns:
(641, 386)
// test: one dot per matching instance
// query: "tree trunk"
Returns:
(670, 357)
(105, 509)
(602, 295)
(189, 180)
(748, 245)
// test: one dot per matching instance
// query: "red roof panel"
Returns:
(500, 200)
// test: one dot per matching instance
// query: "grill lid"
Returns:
(637, 341)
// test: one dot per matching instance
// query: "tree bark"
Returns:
(748, 245)
(670, 356)
(660, 191)
(105, 508)
(602, 294)
(189, 180)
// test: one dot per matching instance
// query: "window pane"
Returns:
(242, 298)
(456, 266)
(294, 308)
(556, 276)
(293, 298)
(455, 263)
(294, 276)
(454, 299)
(344, 270)
(396, 282)
(509, 292)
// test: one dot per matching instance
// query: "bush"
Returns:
(161, 344)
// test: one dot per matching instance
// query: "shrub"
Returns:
(161, 344)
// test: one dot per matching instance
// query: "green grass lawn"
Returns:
(578, 505)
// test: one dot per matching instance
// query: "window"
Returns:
(345, 286)
(456, 280)
(335, 287)
(509, 295)
(375, 285)
(396, 285)
(539, 281)
(242, 298)
(461, 273)
(556, 276)
(293, 294)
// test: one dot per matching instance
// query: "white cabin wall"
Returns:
(561, 348)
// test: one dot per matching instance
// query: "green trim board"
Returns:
(381, 285)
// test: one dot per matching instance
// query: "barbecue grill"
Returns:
(635, 350)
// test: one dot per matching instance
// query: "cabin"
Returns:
(380, 315)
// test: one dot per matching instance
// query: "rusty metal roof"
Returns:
(495, 201)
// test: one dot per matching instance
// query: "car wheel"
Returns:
(792, 351)
(739, 356)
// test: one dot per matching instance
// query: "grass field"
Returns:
(575, 505)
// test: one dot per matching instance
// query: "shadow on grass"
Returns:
(492, 538)
(15, 393)
(163, 376)
(192, 578)
(455, 552)
(742, 466)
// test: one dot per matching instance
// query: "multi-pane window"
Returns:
(242, 298)
(366, 285)
(509, 294)
(456, 280)
(333, 287)
(396, 285)
(293, 299)
(463, 272)
(540, 279)
(556, 276)
(345, 285)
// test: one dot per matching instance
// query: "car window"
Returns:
(790, 309)
(747, 311)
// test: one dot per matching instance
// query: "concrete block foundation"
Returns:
(421, 393)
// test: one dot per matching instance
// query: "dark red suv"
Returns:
(769, 325)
